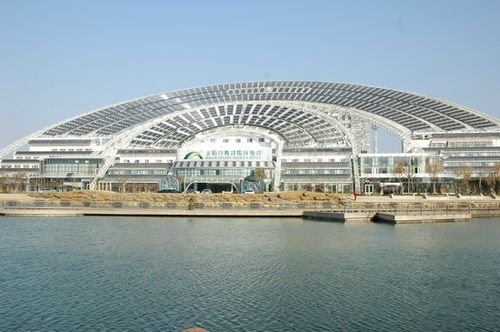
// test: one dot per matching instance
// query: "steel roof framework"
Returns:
(304, 113)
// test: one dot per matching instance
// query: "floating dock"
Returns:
(408, 218)
(340, 216)
(387, 217)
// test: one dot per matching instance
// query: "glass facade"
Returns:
(471, 153)
(386, 165)
(81, 167)
(219, 172)
(137, 172)
(473, 144)
(312, 171)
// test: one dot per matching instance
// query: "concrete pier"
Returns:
(387, 217)
(404, 218)
(339, 216)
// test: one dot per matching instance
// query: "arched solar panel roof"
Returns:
(166, 119)
(414, 112)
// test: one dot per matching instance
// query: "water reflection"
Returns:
(248, 274)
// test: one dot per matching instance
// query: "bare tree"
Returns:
(399, 170)
(260, 173)
(463, 176)
(493, 177)
(3, 183)
(20, 181)
(122, 185)
(434, 168)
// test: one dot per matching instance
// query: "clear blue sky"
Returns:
(62, 58)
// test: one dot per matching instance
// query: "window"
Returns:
(470, 144)
(438, 144)
(262, 139)
(249, 140)
(213, 140)
(225, 140)
(238, 140)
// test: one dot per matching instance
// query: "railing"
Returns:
(392, 207)
(40, 204)
(431, 208)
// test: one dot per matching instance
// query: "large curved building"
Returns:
(293, 134)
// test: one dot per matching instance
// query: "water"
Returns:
(247, 275)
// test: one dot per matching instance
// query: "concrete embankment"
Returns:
(152, 212)
(315, 206)
(352, 216)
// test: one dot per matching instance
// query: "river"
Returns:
(247, 274)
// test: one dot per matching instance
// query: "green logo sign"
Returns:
(193, 154)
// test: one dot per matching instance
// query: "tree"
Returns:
(434, 168)
(462, 176)
(3, 183)
(122, 185)
(20, 181)
(260, 173)
(399, 170)
(493, 177)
